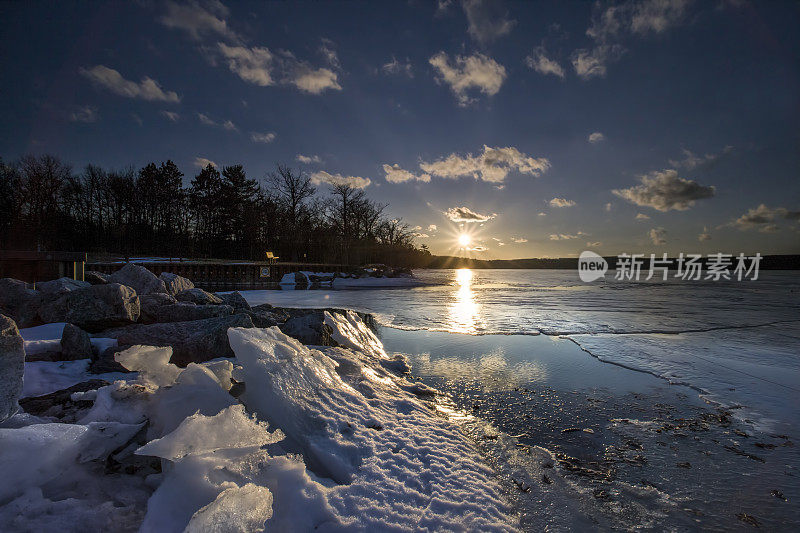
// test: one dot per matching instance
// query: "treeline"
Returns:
(45, 205)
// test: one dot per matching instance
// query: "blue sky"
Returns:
(541, 129)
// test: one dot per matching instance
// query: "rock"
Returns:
(95, 307)
(57, 287)
(175, 283)
(75, 344)
(64, 404)
(95, 278)
(183, 312)
(105, 362)
(198, 296)
(12, 367)
(20, 302)
(263, 318)
(196, 341)
(150, 303)
(138, 277)
(234, 299)
(309, 328)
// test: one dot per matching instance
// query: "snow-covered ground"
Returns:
(321, 439)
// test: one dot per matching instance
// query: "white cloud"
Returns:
(656, 16)
(539, 62)
(519, 240)
(561, 202)
(642, 216)
(421, 235)
(337, 179)
(664, 190)
(691, 160)
(432, 227)
(609, 206)
(596, 137)
(493, 165)
(542, 214)
(478, 248)
(308, 159)
(395, 174)
(563, 237)
(486, 22)
(594, 244)
(198, 19)
(171, 115)
(265, 138)
(208, 121)
(202, 162)
(763, 217)
(205, 120)
(466, 215)
(657, 235)
(84, 114)
(396, 66)
(230, 126)
(469, 72)
(147, 89)
(704, 236)
(258, 65)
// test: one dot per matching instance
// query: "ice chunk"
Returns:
(152, 362)
(32, 455)
(102, 438)
(237, 509)
(351, 332)
(198, 434)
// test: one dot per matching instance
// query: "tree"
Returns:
(292, 189)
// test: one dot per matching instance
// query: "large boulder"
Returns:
(138, 277)
(183, 312)
(175, 283)
(198, 296)
(234, 299)
(265, 317)
(75, 344)
(309, 328)
(192, 342)
(20, 302)
(95, 278)
(94, 308)
(57, 287)
(12, 367)
(150, 303)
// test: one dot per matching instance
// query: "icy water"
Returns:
(702, 435)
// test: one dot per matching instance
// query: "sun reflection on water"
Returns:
(464, 313)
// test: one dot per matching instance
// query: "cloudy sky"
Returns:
(541, 129)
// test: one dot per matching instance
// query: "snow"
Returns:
(44, 377)
(321, 439)
(47, 338)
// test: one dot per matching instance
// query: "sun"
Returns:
(464, 240)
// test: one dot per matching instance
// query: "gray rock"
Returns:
(61, 405)
(57, 287)
(192, 342)
(75, 344)
(309, 328)
(183, 312)
(263, 318)
(95, 278)
(198, 296)
(175, 283)
(234, 299)
(20, 302)
(138, 277)
(94, 308)
(12, 367)
(150, 303)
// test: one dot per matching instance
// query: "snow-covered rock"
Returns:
(75, 343)
(198, 296)
(12, 367)
(20, 302)
(142, 280)
(60, 286)
(195, 341)
(95, 307)
(182, 312)
(175, 283)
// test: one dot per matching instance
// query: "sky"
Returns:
(538, 129)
